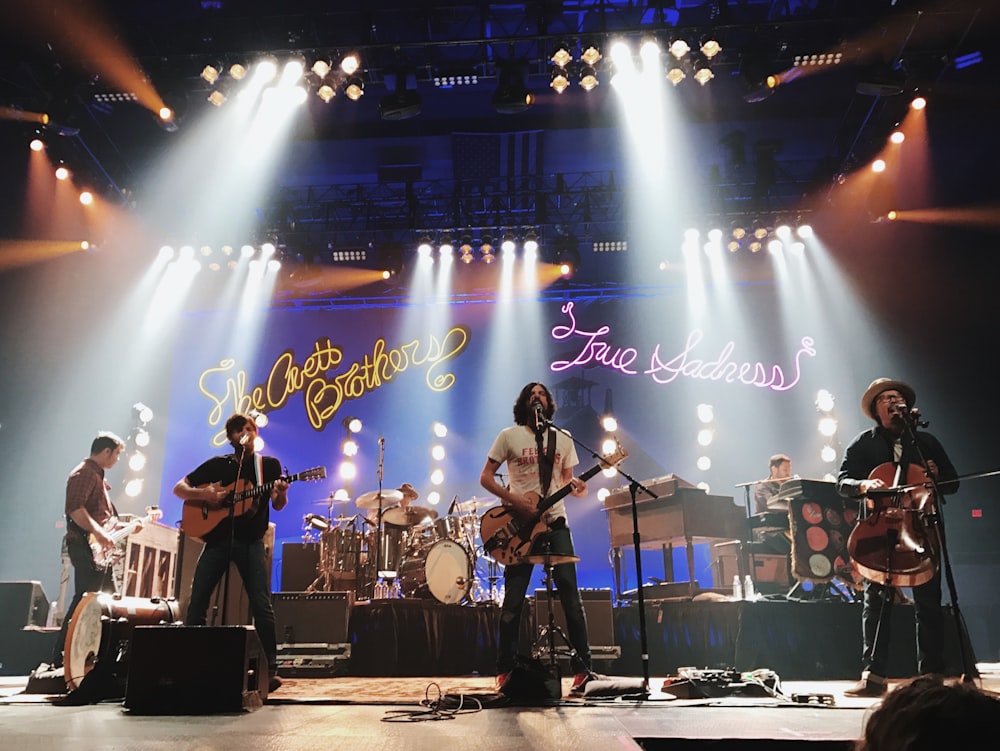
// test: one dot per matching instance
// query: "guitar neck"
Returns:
(546, 503)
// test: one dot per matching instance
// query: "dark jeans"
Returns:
(251, 561)
(516, 580)
(86, 578)
(876, 615)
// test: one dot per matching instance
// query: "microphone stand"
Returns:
(911, 421)
(232, 533)
(634, 487)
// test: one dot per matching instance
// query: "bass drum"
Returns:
(444, 573)
(101, 627)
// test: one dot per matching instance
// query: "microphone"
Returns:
(244, 439)
(451, 508)
(539, 417)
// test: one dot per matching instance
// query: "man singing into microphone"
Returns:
(241, 540)
(889, 403)
(539, 461)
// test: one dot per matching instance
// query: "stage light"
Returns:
(141, 438)
(679, 48)
(210, 74)
(530, 242)
(354, 88)
(137, 461)
(86, 198)
(590, 54)
(36, 144)
(710, 47)
(703, 75)
(352, 424)
(350, 63)
(445, 246)
(560, 80)
(918, 103)
(486, 249)
(424, 247)
(507, 245)
(62, 173)
(511, 94)
(217, 98)
(143, 413)
(562, 56)
(326, 92)
(260, 419)
(588, 78)
(237, 71)
(321, 68)
(676, 74)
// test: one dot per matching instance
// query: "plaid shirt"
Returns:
(86, 488)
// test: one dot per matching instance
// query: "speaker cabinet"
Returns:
(195, 670)
(312, 617)
(299, 566)
(235, 604)
(596, 606)
(22, 603)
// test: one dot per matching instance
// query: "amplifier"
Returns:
(313, 660)
(312, 617)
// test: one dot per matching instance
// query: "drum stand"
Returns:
(545, 641)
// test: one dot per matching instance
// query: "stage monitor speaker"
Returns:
(22, 603)
(596, 606)
(299, 566)
(312, 617)
(195, 670)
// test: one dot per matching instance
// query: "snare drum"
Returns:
(316, 522)
(101, 627)
(449, 528)
(444, 572)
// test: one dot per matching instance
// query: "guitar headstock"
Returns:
(309, 475)
(615, 458)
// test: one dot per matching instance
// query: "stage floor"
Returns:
(393, 713)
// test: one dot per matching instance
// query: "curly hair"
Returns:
(931, 713)
(522, 405)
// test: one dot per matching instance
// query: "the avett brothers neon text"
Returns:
(596, 350)
(324, 392)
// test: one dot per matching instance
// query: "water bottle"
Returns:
(737, 588)
(395, 591)
(380, 590)
(748, 591)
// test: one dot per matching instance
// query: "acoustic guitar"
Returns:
(507, 538)
(198, 519)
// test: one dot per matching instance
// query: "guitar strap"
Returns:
(546, 460)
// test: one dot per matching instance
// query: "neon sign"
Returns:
(324, 390)
(595, 350)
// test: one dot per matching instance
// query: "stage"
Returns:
(424, 713)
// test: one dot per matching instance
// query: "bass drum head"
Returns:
(83, 639)
(448, 570)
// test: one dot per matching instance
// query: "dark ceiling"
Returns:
(895, 46)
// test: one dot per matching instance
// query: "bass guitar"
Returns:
(198, 519)
(507, 538)
(105, 557)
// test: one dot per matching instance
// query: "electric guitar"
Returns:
(198, 519)
(507, 538)
(105, 557)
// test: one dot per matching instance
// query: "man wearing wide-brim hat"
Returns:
(893, 445)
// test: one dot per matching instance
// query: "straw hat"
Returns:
(409, 492)
(885, 384)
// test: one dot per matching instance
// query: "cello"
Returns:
(894, 544)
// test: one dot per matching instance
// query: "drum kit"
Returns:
(394, 548)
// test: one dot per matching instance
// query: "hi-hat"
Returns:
(376, 498)
(407, 517)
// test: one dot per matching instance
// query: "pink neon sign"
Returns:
(596, 350)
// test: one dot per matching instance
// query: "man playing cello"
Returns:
(894, 444)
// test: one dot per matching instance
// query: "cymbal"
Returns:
(549, 560)
(474, 503)
(329, 501)
(371, 498)
(407, 517)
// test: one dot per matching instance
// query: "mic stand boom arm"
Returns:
(634, 487)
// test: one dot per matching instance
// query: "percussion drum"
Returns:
(391, 550)
(449, 528)
(101, 627)
(316, 522)
(443, 572)
(340, 550)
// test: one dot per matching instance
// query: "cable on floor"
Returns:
(440, 707)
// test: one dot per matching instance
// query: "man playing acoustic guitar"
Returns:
(540, 462)
(210, 486)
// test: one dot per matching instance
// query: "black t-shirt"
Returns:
(252, 524)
